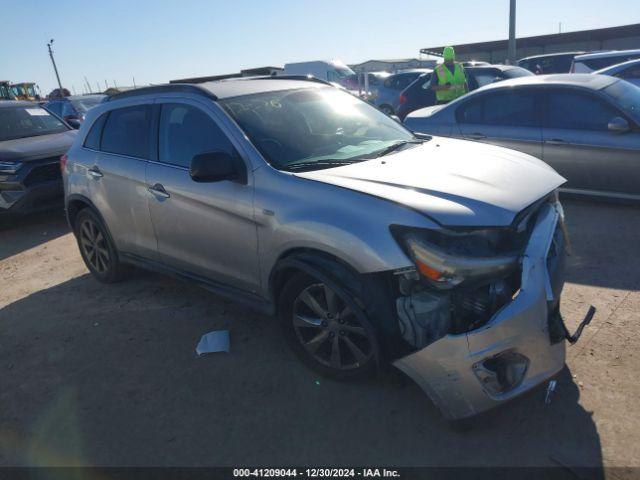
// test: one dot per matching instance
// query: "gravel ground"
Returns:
(107, 375)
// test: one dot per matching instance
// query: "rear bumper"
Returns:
(445, 369)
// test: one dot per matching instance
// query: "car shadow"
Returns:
(20, 233)
(108, 375)
(604, 237)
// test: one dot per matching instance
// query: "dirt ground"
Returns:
(107, 375)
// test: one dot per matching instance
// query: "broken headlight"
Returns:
(447, 259)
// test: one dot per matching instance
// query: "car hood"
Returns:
(34, 148)
(454, 182)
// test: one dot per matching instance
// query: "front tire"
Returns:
(97, 249)
(322, 328)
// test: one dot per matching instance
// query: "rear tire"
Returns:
(322, 328)
(97, 248)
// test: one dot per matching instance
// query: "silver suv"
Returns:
(372, 245)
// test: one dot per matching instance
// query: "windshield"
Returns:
(320, 126)
(84, 104)
(627, 96)
(20, 122)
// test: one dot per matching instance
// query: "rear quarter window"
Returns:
(92, 140)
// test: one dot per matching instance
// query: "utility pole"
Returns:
(54, 65)
(511, 55)
(559, 27)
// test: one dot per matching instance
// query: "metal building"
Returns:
(612, 38)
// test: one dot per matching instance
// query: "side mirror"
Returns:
(73, 121)
(618, 124)
(214, 167)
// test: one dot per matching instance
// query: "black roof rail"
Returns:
(168, 88)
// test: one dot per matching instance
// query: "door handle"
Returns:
(555, 141)
(477, 136)
(158, 191)
(94, 172)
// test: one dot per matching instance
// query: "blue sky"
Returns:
(156, 41)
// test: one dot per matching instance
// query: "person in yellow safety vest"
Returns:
(451, 80)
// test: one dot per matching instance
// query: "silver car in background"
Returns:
(371, 244)
(587, 127)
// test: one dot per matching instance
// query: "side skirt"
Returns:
(236, 295)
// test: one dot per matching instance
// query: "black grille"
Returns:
(43, 173)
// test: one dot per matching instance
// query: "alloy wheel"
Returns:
(94, 246)
(329, 330)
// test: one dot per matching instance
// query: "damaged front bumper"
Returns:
(518, 348)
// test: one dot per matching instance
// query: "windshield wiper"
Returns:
(317, 164)
(396, 146)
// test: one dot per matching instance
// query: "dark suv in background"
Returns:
(387, 94)
(31, 144)
(419, 94)
(73, 109)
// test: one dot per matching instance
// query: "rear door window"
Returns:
(400, 82)
(515, 109)
(126, 132)
(186, 131)
(577, 111)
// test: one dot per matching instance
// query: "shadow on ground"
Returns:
(18, 234)
(108, 376)
(605, 238)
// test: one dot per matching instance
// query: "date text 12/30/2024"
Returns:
(315, 472)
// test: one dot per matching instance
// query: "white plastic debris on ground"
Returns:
(212, 342)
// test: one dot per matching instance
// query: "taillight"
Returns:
(402, 99)
(63, 162)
